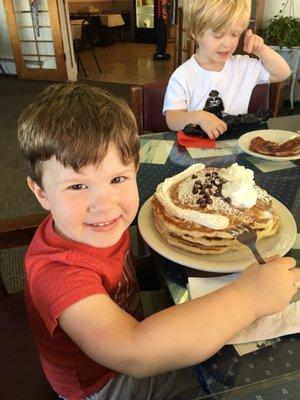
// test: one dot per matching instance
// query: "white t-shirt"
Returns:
(190, 85)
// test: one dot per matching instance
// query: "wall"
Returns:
(104, 5)
(273, 6)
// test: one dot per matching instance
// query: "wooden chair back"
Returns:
(22, 376)
(147, 103)
(260, 98)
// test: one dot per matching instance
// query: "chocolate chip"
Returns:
(194, 176)
(228, 200)
(195, 189)
(209, 200)
(198, 183)
(200, 200)
(208, 174)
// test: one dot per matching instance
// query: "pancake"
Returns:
(199, 209)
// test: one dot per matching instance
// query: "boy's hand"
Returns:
(268, 288)
(212, 125)
(253, 43)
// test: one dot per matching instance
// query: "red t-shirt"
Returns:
(59, 273)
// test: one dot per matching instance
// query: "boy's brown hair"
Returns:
(76, 123)
(201, 15)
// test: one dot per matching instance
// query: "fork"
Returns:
(247, 236)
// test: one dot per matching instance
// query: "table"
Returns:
(111, 20)
(270, 373)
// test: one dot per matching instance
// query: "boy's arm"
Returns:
(212, 125)
(276, 65)
(176, 337)
(181, 335)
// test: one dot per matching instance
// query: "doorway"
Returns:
(35, 35)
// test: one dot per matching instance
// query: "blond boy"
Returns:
(217, 25)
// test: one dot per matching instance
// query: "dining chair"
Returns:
(125, 27)
(260, 98)
(87, 42)
(2, 70)
(276, 95)
(21, 373)
(292, 57)
(147, 104)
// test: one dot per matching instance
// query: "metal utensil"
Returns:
(247, 236)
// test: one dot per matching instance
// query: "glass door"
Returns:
(145, 14)
(36, 40)
(145, 21)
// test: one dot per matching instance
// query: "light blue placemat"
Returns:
(155, 151)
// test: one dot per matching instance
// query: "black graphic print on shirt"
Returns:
(214, 103)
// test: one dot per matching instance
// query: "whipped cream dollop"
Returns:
(239, 186)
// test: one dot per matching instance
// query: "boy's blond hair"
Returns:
(201, 15)
(76, 124)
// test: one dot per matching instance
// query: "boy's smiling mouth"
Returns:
(99, 226)
(223, 53)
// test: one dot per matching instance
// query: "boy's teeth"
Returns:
(103, 223)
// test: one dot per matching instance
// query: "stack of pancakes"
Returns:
(190, 212)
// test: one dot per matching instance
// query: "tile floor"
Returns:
(127, 63)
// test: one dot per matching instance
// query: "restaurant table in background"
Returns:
(111, 20)
(272, 372)
(104, 31)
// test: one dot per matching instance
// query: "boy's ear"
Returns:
(39, 193)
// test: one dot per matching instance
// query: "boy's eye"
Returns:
(118, 179)
(218, 35)
(78, 186)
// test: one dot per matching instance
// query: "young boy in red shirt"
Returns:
(82, 296)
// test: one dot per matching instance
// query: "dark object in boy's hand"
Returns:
(194, 130)
(240, 119)
(237, 125)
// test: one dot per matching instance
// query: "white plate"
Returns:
(280, 243)
(275, 135)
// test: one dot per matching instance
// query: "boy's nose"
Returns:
(101, 201)
(227, 42)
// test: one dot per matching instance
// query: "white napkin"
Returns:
(283, 323)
